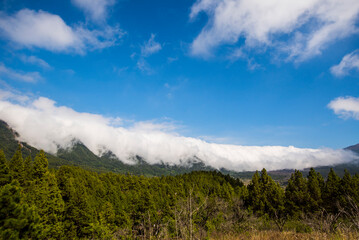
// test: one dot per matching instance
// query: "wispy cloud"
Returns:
(347, 64)
(35, 61)
(345, 107)
(150, 47)
(307, 26)
(172, 59)
(96, 10)
(30, 77)
(43, 124)
(239, 53)
(13, 96)
(40, 29)
(144, 66)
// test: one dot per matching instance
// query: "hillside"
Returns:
(74, 203)
(354, 148)
(80, 155)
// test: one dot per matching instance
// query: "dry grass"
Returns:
(276, 235)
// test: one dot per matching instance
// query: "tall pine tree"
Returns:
(5, 177)
(18, 220)
(297, 195)
(16, 166)
(40, 167)
(331, 193)
(314, 190)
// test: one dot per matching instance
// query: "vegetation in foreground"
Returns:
(73, 203)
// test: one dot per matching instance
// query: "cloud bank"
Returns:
(347, 64)
(43, 124)
(345, 107)
(39, 29)
(307, 26)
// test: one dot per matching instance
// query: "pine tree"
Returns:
(314, 191)
(272, 199)
(42, 191)
(5, 177)
(40, 167)
(276, 205)
(296, 193)
(18, 220)
(346, 190)
(50, 206)
(331, 192)
(267, 197)
(78, 214)
(28, 169)
(16, 166)
(346, 184)
(254, 193)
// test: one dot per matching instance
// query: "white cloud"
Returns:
(164, 126)
(30, 77)
(348, 63)
(147, 49)
(40, 29)
(44, 125)
(308, 26)
(35, 61)
(345, 107)
(11, 96)
(96, 10)
(150, 47)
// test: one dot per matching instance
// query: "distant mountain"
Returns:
(354, 148)
(9, 144)
(79, 155)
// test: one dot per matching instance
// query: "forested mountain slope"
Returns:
(79, 155)
(73, 203)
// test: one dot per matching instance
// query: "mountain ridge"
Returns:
(354, 148)
(79, 155)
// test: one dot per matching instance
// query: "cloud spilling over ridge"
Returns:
(44, 125)
(308, 25)
(345, 107)
(348, 63)
(28, 28)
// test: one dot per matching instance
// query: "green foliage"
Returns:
(5, 176)
(297, 194)
(315, 184)
(16, 166)
(28, 169)
(74, 203)
(331, 192)
(266, 197)
(40, 166)
(18, 220)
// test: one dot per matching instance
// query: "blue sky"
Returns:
(236, 74)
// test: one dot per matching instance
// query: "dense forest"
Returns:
(73, 203)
